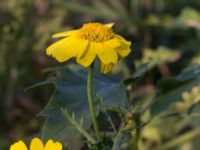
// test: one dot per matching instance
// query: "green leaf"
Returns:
(164, 101)
(78, 125)
(189, 73)
(195, 109)
(120, 138)
(187, 79)
(167, 85)
(153, 58)
(159, 56)
(143, 68)
(194, 113)
(189, 14)
(70, 94)
(95, 10)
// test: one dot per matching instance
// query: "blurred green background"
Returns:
(26, 27)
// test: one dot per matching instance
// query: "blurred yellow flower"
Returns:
(88, 42)
(36, 144)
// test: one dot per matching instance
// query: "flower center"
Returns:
(95, 32)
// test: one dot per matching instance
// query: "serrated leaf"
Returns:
(121, 138)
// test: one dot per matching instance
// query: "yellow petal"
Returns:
(64, 34)
(113, 43)
(106, 53)
(67, 48)
(109, 25)
(36, 144)
(49, 145)
(124, 49)
(88, 56)
(58, 146)
(18, 146)
(106, 68)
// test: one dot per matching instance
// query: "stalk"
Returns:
(91, 103)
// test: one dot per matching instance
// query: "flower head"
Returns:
(90, 41)
(36, 144)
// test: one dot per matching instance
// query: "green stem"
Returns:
(138, 124)
(91, 103)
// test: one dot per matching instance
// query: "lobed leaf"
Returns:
(70, 93)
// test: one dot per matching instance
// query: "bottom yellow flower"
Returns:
(36, 144)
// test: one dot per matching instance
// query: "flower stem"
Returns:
(138, 130)
(91, 103)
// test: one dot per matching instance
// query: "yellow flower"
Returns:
(36, 144)
(90, 41)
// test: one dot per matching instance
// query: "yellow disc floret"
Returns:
(95, 32)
